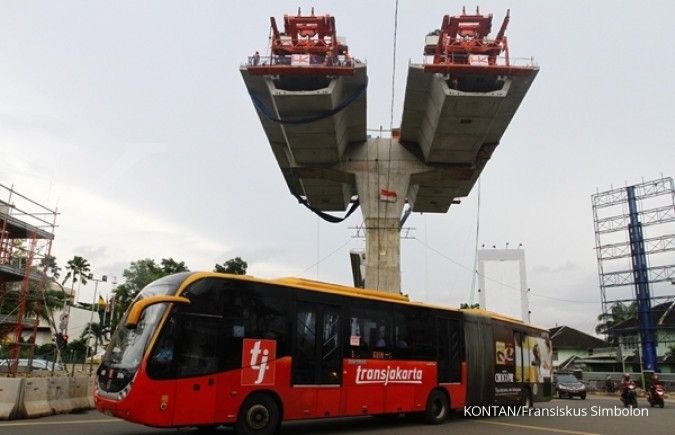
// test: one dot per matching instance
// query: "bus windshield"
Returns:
(127, 346)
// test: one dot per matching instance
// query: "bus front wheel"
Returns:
(258, 415)
(437, 408)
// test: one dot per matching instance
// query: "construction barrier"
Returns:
(78, 392)
(90, 392)
(35, 398)
(58, 394)
(11, 392)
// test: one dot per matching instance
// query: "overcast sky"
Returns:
(132, 118)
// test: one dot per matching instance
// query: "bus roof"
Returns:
(325, 287)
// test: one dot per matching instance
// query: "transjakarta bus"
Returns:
(209, 349)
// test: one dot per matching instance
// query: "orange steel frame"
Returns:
(314, 35)
(462, 36)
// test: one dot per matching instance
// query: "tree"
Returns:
(93, 330)
(78, 271)
(618, 313)
(235, 266)
(48, 263)
(139, 274)
(170, 266)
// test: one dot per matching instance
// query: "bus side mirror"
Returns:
(140, 306)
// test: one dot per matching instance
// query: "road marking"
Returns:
(49, 423)
(541, 428)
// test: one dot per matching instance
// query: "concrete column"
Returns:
(383, 254)
(382, 169)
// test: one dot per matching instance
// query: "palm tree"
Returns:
(95, 331)
(78, 271)
(49, 264)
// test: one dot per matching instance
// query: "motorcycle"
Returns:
(629, 395)
(655, 395)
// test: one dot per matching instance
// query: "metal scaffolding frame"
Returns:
(620, 217)
(26, 235)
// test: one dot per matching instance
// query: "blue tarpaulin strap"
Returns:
(343, 105)
(326, 216)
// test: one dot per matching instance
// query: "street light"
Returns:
(104, 278)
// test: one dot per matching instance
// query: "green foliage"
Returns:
(169, 266)
(35, 305)
(618, 313)
(45, 351)
(139, 274)
(235, 266)
(49, 264)
(94, 330)
(76, 351)
(78, 270)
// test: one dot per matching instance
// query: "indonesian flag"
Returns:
(300, 59)
(478, 59)
(388, 195)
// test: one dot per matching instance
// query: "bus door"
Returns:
(196, 332)
(522, 357)
(196, 385)
(317, 359)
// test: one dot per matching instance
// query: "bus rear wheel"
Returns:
(259, 415)
(437, 408)
(526, 400)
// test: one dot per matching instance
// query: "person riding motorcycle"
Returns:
(626, 383)
(656, 391)
(655, 380)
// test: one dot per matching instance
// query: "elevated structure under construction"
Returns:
(26, 235)
(310, 96)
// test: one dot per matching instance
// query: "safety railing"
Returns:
(482, 60)
(302, 60)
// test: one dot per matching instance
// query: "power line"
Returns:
(475, 252)
(326, 257)
(500, 282)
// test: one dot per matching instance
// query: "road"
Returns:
(658, 421)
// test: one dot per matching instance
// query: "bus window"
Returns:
(449, 350)
(370, 330)
(416, 334)
(305, 333)
(330, 348)
(312, 363)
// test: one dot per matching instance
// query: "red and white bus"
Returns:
(208, 349)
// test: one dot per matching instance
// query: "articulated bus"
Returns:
(208, 349)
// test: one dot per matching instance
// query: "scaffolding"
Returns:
(635, 241)
(26, 235)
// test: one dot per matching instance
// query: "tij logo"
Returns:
(258, 362)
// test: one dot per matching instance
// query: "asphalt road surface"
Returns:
(563, 417)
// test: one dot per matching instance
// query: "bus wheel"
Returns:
(258, 415)
(437, 408)
(527, 398)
